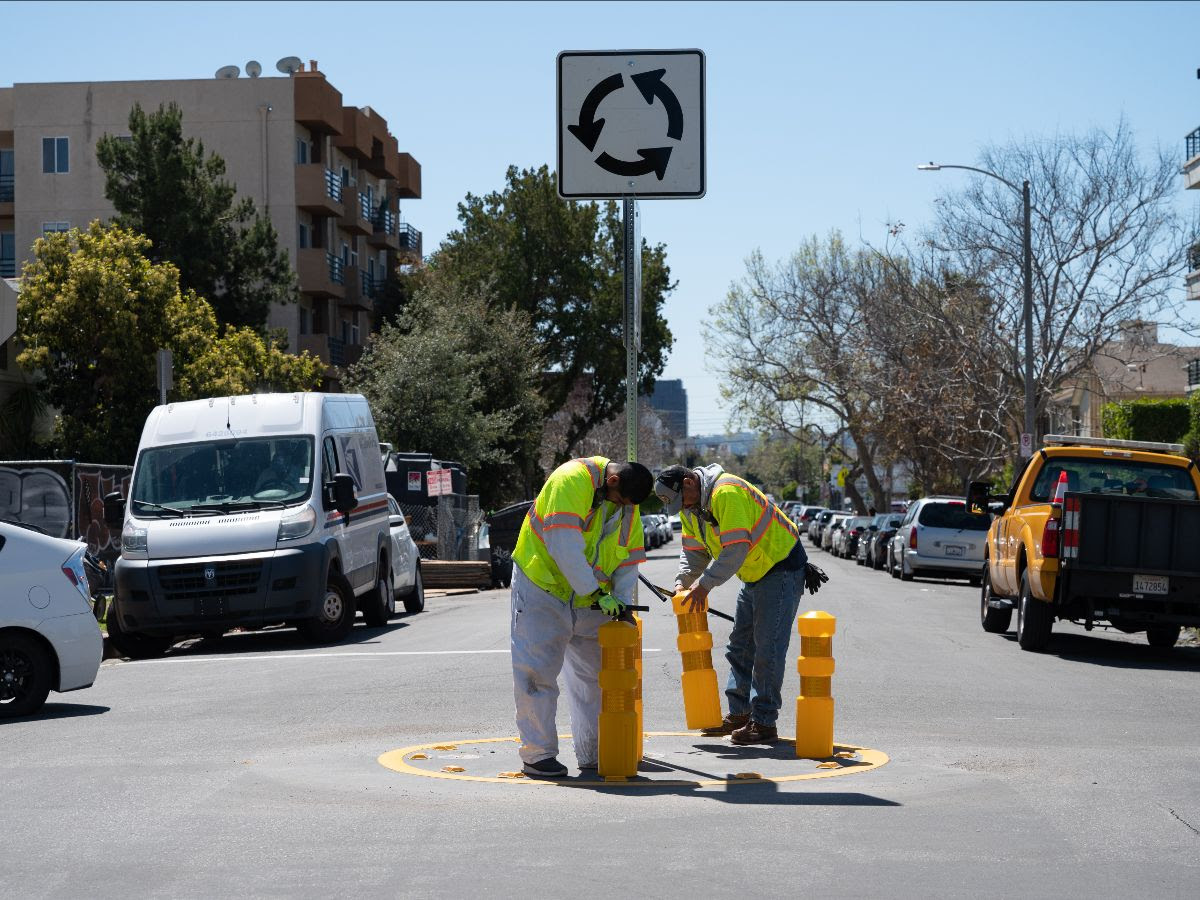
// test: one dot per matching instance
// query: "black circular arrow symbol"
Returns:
(653, 159)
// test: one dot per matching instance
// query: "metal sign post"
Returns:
(631, 221)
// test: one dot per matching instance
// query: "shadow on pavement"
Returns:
(1109, 650)
(279, 639)
(60, 711)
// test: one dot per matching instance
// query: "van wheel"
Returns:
(1035, 619)
(380, 604)
(1162, 637)
(414, 600)
(335, 615)
(994, 621)
(25, 672)
(133, 644)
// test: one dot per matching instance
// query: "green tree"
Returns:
(561, 263)
(165, 187)
(456, 375)
(92, 312)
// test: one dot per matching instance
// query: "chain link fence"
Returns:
(448, 531)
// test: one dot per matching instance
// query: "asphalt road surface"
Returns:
(248, 767)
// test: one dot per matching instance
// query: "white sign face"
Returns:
(1026, 445)
(438, 482)
(631, 123)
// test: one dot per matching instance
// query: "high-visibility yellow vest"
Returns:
(743, 516)
(572, 497)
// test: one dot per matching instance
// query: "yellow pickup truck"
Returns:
(1094, 531)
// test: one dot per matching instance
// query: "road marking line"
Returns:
(279, 656)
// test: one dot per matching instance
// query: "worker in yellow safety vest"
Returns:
(730, 528)
(579, 546)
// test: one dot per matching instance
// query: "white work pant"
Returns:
(545, 630)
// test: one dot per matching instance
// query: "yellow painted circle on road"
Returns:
(848, 759)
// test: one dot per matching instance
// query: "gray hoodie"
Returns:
(698, 565)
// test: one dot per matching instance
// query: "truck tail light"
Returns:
(1050, 537)
(912, 538)
(1070, 529)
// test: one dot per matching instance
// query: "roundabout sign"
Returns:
(631, 124)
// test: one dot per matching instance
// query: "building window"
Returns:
(8, 254)
(55, 155)
(304, 326)
(302, 237)
(55, 227)
(6, 176)
(345, 177)
(301, 151)
(354, 332)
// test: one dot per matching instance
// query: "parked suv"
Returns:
(940, 536)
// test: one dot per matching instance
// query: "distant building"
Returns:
(722, 446)
(669, 400)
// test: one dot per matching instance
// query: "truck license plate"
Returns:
(1150, 584)
(955, 549)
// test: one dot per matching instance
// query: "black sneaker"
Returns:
(545, 768)
(587, 767)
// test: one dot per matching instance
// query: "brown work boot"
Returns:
(728, 725)
(753, 733)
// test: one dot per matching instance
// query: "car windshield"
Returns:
(953, 514)
(222, 476)
(1113, 476)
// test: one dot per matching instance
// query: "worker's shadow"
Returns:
(678, 779)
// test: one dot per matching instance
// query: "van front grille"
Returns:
(189, 582)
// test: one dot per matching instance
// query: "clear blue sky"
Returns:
(817, 112)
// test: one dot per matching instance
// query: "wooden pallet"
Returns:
(438, 573)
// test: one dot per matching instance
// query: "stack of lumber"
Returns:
(438, 573)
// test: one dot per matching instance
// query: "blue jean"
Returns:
(757, 653)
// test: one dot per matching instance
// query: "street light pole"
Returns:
(1027, 312)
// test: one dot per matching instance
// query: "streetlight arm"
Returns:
(932, 167)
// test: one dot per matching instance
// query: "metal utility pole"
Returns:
(1029, 403)
(631, 222)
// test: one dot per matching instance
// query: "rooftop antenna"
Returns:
(289, 65)
(228, 72)
(253, 68)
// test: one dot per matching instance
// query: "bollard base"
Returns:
(814, 727)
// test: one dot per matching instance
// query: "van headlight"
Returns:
(298, 525)
(133, 540)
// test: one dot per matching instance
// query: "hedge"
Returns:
(1168, 420)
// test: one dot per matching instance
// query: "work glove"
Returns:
(610, 605)
(813, 578)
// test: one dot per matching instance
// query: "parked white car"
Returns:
(939, 536)
(406, 564)
(49, 639)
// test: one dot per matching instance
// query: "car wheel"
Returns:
(1162, 637)
(891, 565)
(414, 600)
(131, 643)
(906, 574)
(974, 581)
(994, 621)
(25, 672)
(380, 604)
(335, 614)
(1035, 619)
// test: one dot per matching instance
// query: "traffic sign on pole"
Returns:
(631, 124)
(1026, 445)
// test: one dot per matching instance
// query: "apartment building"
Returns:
(330, 176)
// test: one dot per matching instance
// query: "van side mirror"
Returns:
(114, 510)
(978, 495)
(343, 493)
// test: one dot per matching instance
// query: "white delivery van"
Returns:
(248, 511)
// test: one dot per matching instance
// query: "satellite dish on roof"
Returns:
(289, 65)
(253, 68)
(228, 72)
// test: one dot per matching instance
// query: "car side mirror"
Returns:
(114, 510)
(343, 493)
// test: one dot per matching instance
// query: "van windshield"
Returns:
(221, 476)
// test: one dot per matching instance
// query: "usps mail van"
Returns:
(249, 511)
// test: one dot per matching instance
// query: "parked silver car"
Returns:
(830, 532)
(939, 536)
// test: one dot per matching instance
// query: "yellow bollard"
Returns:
(637, 660)
(701, 699)
(814, 705)
(617, 756)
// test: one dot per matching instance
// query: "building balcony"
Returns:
(327, 348)
(385, 157)
(318, 190)
(321, 274)
(410, 240)
(355, 138)
(1191, 168)
(384, 234)
(408, 178)
(318, 103)
(356, 214)
(1192, 279)
(356, 297)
